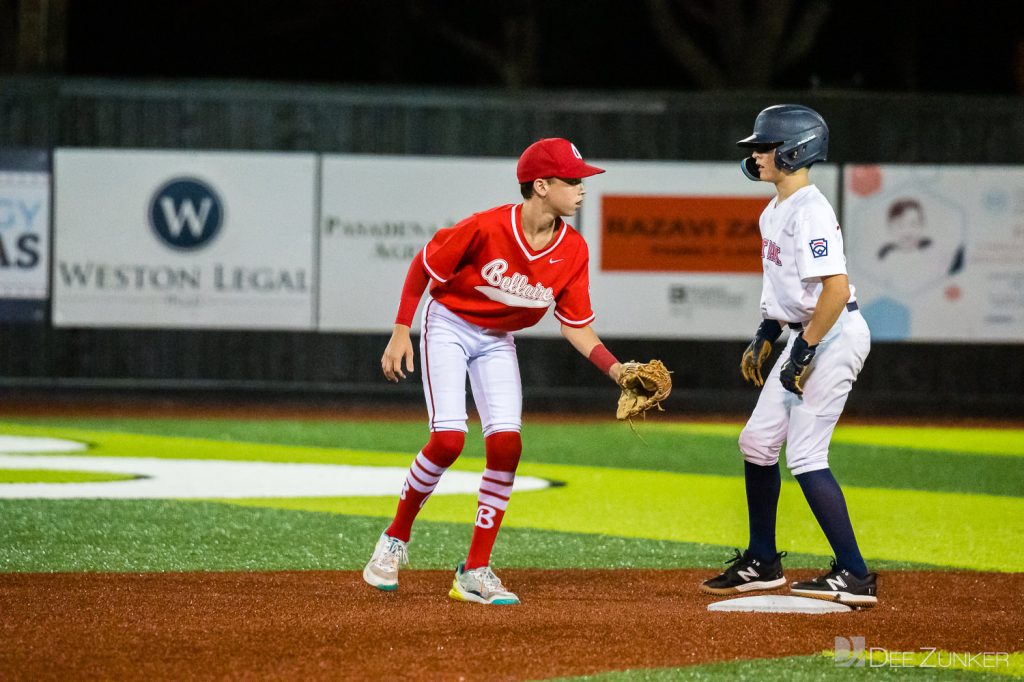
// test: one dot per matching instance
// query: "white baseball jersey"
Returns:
(800, 243)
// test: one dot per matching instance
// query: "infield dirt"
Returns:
(330, 625)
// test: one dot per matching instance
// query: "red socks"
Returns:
(430, 464)
(503, 451)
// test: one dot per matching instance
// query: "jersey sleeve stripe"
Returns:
(575, 323)
(429, 271)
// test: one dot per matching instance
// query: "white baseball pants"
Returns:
(806, 424)
(450, 348)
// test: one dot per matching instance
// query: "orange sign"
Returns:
(681, 234)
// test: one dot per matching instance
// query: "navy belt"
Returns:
(851, 306)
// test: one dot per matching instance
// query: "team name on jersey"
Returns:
(515, 290)
(770, 251)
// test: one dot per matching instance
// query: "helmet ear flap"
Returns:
(787, 158)
(750, 169)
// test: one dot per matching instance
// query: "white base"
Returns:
(779, 603)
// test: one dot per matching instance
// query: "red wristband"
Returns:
(602, 358)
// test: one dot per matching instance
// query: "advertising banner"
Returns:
(216, 240)
(937, 252)
(675, 247)
(378, 212)
(24, 235)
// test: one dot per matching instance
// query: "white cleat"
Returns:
(480, 586)
(382, 570)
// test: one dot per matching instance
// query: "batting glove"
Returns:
(759, 350)
(795, 366)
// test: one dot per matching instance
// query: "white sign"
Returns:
(378, 212)
(937, 252)
(184, 239)
(24, 241)
(680, 293)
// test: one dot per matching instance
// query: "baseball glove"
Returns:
(644, 385)
(759, 350)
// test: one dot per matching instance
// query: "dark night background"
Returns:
(941, 46)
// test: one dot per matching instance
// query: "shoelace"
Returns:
(734, 563)
(490, 581)
(395, 555)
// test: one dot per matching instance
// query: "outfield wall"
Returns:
(932, 371)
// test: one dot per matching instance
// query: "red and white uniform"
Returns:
(486, 283)
(486, 273)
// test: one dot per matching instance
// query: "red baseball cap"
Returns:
(553, 157)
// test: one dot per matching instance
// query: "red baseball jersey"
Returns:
(486, 273)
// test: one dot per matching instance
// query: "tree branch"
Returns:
(681, 46)
(804, 33)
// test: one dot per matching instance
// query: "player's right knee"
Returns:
(444, 447)
(756, 449)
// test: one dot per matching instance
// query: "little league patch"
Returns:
(819, 247)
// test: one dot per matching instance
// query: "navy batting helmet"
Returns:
(798, 133)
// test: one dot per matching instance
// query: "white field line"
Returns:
(205, 479)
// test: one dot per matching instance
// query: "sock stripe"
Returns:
(416, 485)
(500, 476)
(429, 466)
(491, 500)
(424, 476)
(496, 488)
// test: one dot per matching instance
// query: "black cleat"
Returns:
(747, 574)
(841, 586)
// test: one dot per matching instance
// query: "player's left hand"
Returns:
(644, 385)
(795, 367)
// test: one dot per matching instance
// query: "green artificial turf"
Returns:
(647, 504)
(790, 669)
(684, 448)
(48, 476)
(169, 535)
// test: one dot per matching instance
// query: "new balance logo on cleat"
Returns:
(841, 586)
(747, 574)
(836, 583)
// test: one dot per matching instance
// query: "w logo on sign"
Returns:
(186, 213)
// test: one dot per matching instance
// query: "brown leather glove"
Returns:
(759, 350)
(644, 386)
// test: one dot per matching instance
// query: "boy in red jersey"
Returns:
(492, 274)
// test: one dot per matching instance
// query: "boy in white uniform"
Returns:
(806, 287)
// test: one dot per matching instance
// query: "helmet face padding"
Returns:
(798, 133)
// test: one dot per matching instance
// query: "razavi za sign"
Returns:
(212, 240)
